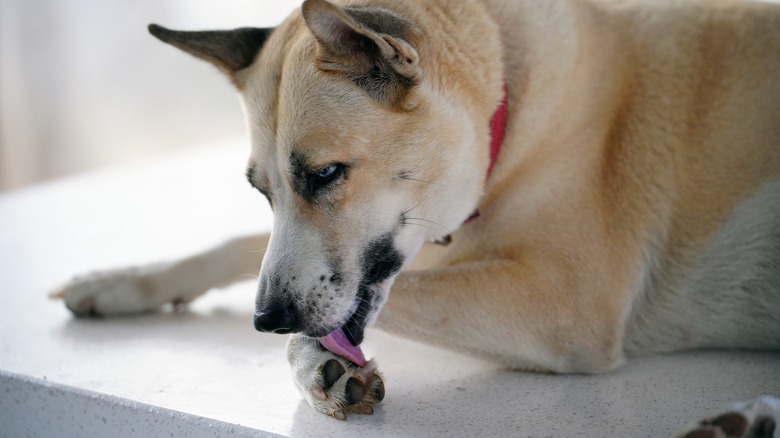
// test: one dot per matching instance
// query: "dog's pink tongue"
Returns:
(338, 344)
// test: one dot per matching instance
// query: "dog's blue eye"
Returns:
(323, 177)
(327, 172)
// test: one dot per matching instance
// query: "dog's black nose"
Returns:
(276, 318)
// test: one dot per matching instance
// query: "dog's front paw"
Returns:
(120, 291)
(754, 419)
(331, 384)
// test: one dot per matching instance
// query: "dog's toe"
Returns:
(122, 291)
(349, 389)
(332, 384)
(756, 419)
(732, 424)
(331, 372)
(370, 394)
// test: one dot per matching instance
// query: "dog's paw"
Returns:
(754, 419)
(331, 384)
(119, 291)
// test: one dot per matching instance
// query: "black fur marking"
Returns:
(355, 327)
(305, 180)
(380, 260)
(299, 169)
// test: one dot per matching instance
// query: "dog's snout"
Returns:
(276, 318)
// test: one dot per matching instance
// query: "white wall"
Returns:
(82, 83)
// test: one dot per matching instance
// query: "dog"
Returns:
(550, 185)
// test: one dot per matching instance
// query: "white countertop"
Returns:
(206, 372)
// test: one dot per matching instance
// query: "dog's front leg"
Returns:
(533, 316)
(142, 288)
(332, 384)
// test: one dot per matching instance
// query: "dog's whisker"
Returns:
(409, 210)
(408, 178)
(420, 225)
(427, 220)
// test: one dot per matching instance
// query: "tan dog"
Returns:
(634, 206)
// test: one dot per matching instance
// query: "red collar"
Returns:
(497, 132)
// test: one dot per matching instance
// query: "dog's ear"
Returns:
(373, 47)
(230, 50)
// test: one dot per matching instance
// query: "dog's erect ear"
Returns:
(229, 50)
(372, 47)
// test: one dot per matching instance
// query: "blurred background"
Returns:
(83, 85)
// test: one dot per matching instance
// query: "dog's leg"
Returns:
(331, 384)
(142, 288)
(525, 316)
(753, 419)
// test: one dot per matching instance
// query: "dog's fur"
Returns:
(634, 207)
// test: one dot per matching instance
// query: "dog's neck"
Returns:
(497, 131)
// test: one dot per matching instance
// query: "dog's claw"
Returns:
(180, 305)
(319, 394)
(84, 308)
(362, 409)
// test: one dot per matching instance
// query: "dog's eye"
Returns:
(322, 177)
(327, 172)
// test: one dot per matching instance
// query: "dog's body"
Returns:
(634, 206)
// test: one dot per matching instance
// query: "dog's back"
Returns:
(712, 264)
(675, 108)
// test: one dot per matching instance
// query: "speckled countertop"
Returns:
(205, 372)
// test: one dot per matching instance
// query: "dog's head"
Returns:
(366, 142)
